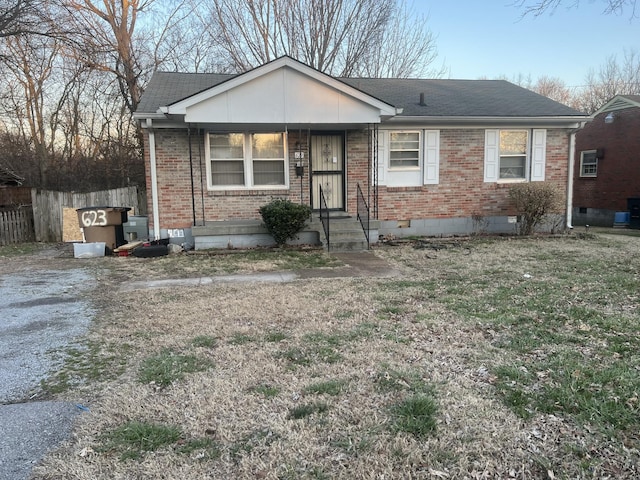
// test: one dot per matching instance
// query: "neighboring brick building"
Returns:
(432, 157)
(606, 175)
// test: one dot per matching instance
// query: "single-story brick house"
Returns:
(607, 165)
(427, 157)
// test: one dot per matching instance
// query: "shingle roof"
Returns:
(9, 178)
(165, 88)
(461, 98)
(450, 98)
(633, 98)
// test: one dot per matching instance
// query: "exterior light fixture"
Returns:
(609, 118)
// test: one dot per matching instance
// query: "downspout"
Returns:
(572, 154)
(193, 192)
(202, 180)
(309, 160)
(369, 162)
(154, 180)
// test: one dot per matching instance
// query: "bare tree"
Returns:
(29, 65)
(553, 88)
(67, 97)
(538, 7)
(19, 17)
(107, 41)
(613, 78)
(180, 43)
(405, 49)
(338, 37)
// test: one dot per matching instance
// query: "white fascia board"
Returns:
(551, 122)
(180, 107)
(160, 122)
(141, 117)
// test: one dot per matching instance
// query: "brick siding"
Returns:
(460, 193)
(618, 175)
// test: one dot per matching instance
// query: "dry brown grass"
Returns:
(376, 334)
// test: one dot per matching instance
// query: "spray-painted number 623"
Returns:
(94, 218)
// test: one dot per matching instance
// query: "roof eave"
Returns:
(556, 121)
(179, 107)
(140, 116)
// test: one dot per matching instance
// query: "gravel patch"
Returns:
(29, 430)
(41, 313)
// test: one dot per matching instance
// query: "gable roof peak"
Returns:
(619, 102)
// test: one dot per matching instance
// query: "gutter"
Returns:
(483, 121)
(144, 116)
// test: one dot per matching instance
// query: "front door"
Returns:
(327, 170)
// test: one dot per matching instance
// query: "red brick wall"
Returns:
(461, 192)
(619, 171)
(357, 151)
(174, 175)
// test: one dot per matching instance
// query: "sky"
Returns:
(490, 39)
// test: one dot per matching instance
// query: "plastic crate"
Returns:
(88, 250)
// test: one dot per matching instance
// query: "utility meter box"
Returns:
(136, 228)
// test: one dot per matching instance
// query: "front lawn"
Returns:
(487, 358)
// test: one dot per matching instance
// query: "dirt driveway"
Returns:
(44, 309)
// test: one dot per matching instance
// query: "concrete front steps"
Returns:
(345, 233)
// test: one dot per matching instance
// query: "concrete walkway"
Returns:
(356, 264)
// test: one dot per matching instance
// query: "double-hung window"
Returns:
(227, 159)
(247, 160)
(589, 163)
(404, 150)
(408, 158)
(267, 153)
(514, 155)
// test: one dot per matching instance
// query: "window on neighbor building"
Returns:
(515, 155)
(588, 163)
(246, 160)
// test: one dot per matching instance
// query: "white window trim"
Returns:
(588, 175)
(420, 153)
(428, 170)
(248, 164)
(535, 164)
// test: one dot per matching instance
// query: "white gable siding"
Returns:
(280, 97)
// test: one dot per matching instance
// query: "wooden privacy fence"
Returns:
(16, 226)
(49, 207)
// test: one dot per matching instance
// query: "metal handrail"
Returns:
(324, 216)
(363, 213)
